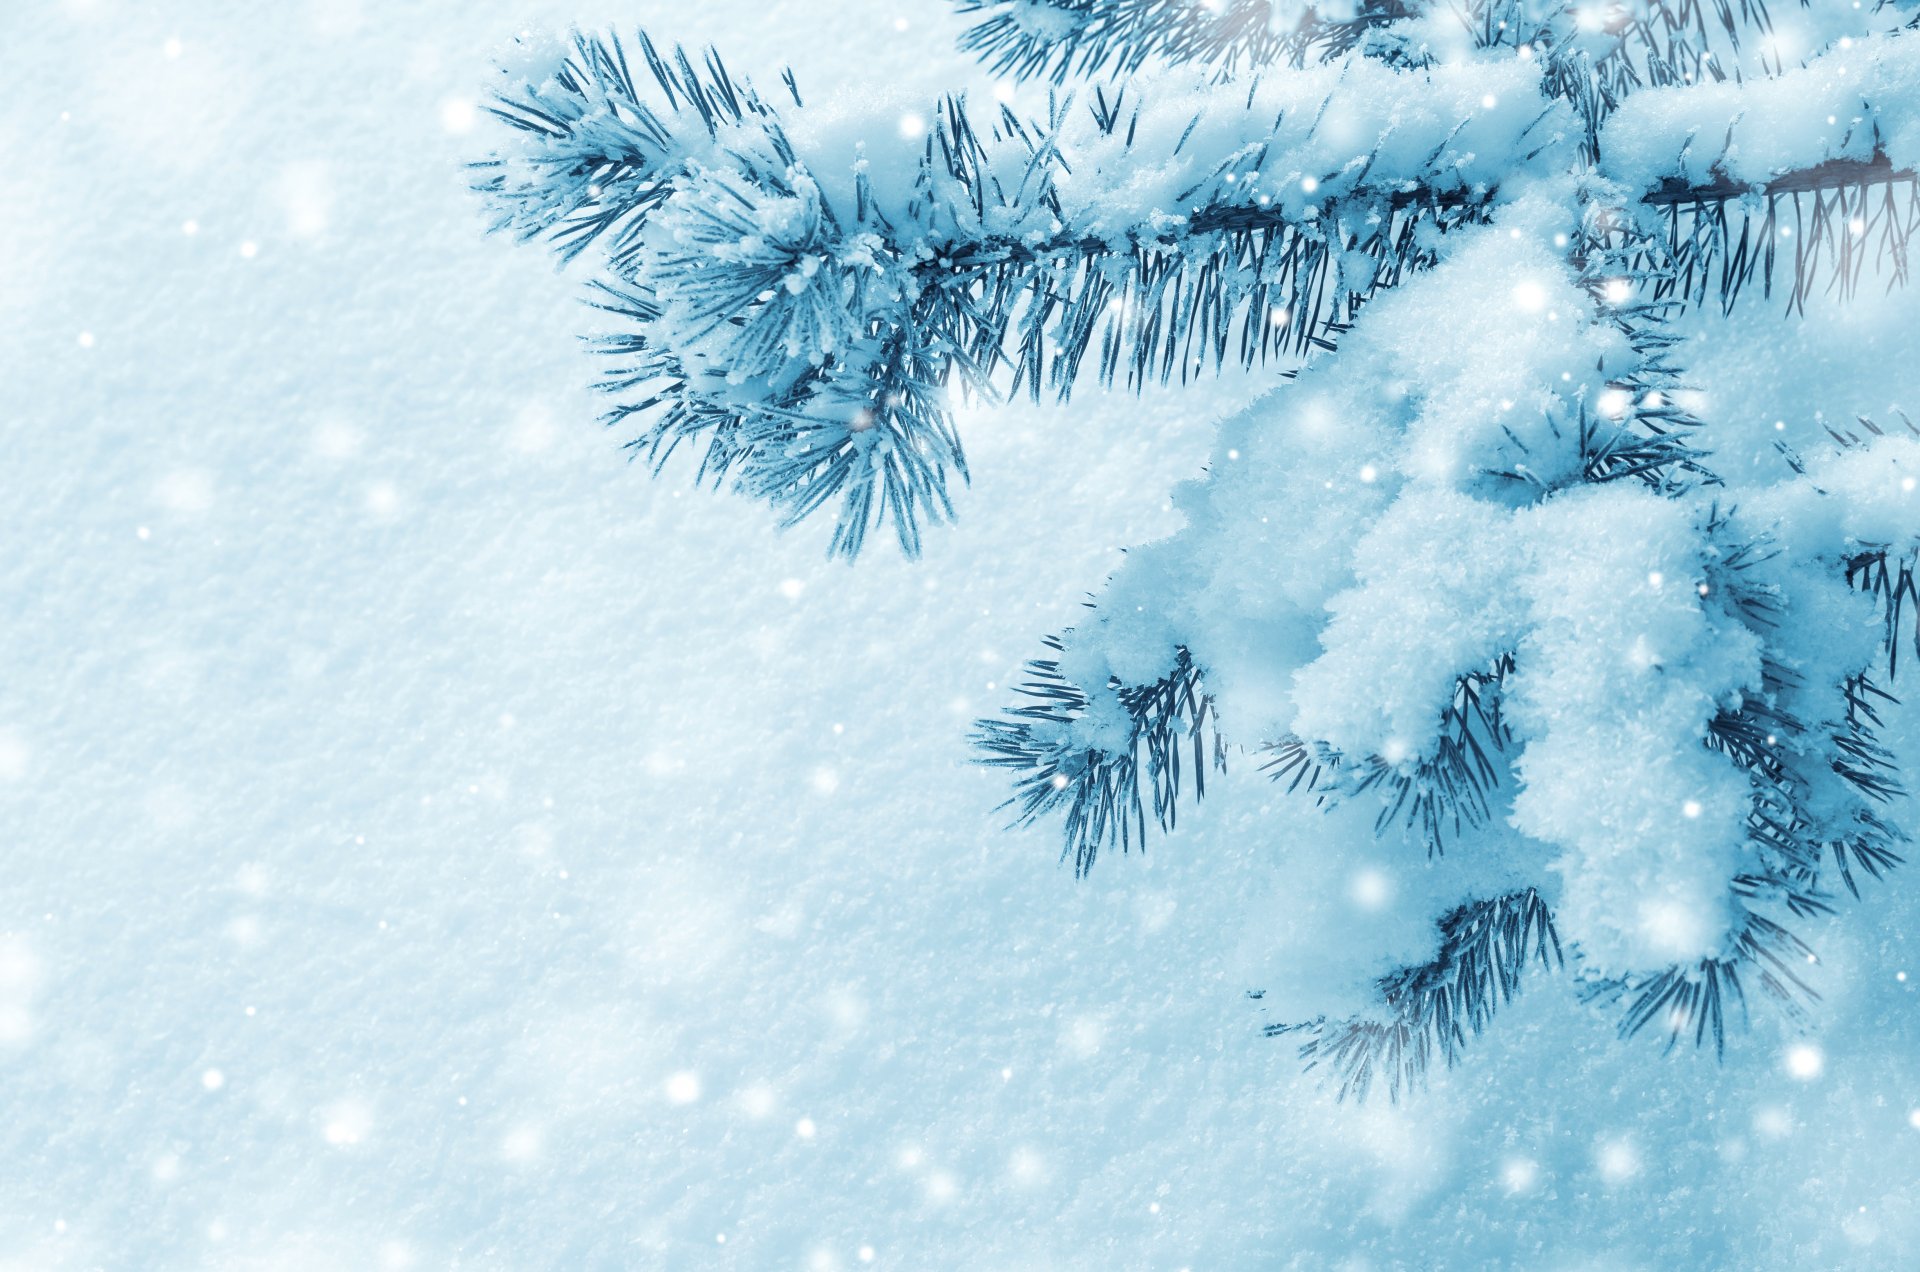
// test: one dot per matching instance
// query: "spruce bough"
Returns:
(1485, 562)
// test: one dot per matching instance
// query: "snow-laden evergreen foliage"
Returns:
(1480, 565)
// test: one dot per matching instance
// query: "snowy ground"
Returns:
(429, 843)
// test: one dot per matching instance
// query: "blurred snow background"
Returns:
(429, 843)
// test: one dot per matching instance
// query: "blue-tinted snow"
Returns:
(429, 843)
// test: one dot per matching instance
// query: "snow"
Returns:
(418, 853)
(1043, 18)
(1618, 680)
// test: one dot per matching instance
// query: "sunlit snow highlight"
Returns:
(1617, 1161)
(1804, 1061)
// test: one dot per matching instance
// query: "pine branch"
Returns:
(590, 156)
(1091, 757)
(1885, 571)
(1868, 843)
(1662, 43)
(1798, 816)
(1889, 577)
(788, 361)
(1699, 998)
(1728, 213)
(800, 320)
(1799, 826)
(873, 432)
(1444, 793)
(1795, 819)
(1434, 1009)
(1062, 39)
(806, 333)
(1813, 231)
(1234, 269)
(1645, 433)
(1595, 56)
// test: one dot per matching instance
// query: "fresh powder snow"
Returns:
(435, 843)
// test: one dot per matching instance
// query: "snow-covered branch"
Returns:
(802, 308)
(1055, 39)
(1482, 568)
(1085, 753)
(1806, 179)
(1429, 1012)
(1481, 607)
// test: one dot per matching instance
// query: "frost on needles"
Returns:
(1483, 565)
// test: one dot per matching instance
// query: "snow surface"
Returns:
(434, 844)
